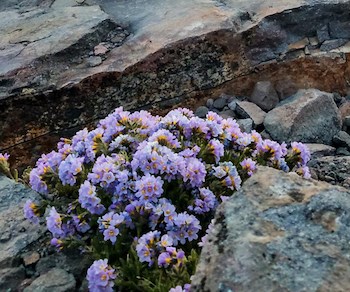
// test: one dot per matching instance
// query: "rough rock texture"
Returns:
(279, 233)
(250, 110)
(54, 280)
(264, 95)
(16, 234)
(319, 150)
(335, 170)
(309, 116)
(168, 54)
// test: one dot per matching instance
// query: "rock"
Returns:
(337, 167)
(265, 135)
(31, 258)
(301, 44)
(250, 110)
(201, 111)
(285, 88)
(344, 110)
(246, 125)
(10, 278)
(338, 99)
(94, 61)
(72, 262)
(323, 34)
(339, 30)
(232, 105)
(54, 280)
(342, 139)
(346, 121)
(227, 114)
(210, 103)
(100, 49)
(332, 44)
(264, 95)
(220, 103)
(278, 233)
(319, 150)
(12, 199)
(343, 151)
(310, 116)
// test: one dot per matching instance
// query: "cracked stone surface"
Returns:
(278, 233)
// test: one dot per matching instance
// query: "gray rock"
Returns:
(12, 222)
(310, 116)
(332, 44)
(343, 151)
(338, 29)
(264, 95)
(201, 111)
(285, 88)
(337, 167)
(319, 150)
(265, 135)
(227, 114)
(232, 105)
(250, 110)
(210, 103)
(246, 125)
(57, 280)
(10, 278)
(342, 139)
(278, 233)
(346, 121)
(220, 103)
(72, 262)
(94, 61)
(323, 34)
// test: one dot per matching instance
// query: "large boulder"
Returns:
(280, 232)
(309, 116)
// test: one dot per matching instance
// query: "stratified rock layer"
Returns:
(162, 55)
(279, 233)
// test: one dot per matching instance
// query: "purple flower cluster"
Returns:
(101, 277)
(149, 181)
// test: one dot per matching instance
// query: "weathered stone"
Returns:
(322, 35)
(233, 104)
(278, 233)
(210, 103)
(319, 150)
(342, 139)
(310, 116)
(346, 121)
(301, 44)
(337, 167)
(54, 280)
(264, 95)
(10, 278)
(220, 103)
(94, 61)
(227, 114)
(100, 49)
(31, 258)
(344, 110)
(332, 44)
(72, 262)
(246, 125)
(201, 111)
(250, 110)
(285, 88)
(12, 199)
(339, 29)
(342, 151)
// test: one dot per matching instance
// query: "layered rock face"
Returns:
(278, 233)
(83, 62)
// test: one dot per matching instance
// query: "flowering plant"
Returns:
(139, 192)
